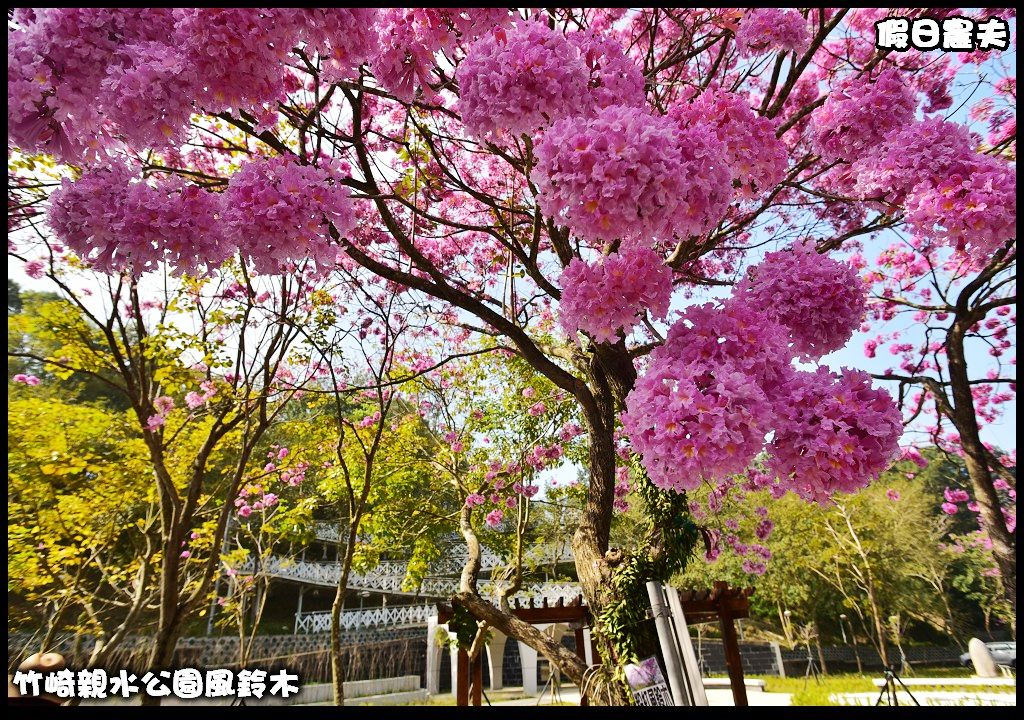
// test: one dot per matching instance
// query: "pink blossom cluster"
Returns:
(238, 54)
(628, 174)
(769, 29)
(195, 399)
(956, 496)
(614, 78)
(933, 147)
(148, 95)
(58, 60)
(276, 210)
(519, 80)
(163, 406)
(694, 422)
(494, 518)
(950, 192)
(723, 379)
(113, 221)
(834, 433)
(408, 39)
(735, 335)
(820, 300)
(975, 212)
(608, 296)
(860, 113)
(23, 379)
(254, 498)
(81, 78)
(344, 38)
(756, 158)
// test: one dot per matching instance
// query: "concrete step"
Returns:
(417, 697)
(716, 683)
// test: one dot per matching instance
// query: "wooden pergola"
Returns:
(725, 605)
(469, 690)
(721, 604)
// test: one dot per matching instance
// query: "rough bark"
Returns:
(965, 419)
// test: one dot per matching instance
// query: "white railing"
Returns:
(397, 616)
(413, 615)
(456, 558)
(387, 577)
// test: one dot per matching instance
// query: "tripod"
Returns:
(556, 693)
(889, 689)
(812, 668)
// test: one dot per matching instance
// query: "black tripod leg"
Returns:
(914, 699)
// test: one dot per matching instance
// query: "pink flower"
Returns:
(756, 158)
(245, 511)
(34, 269)
(956, 496)
(26, 379)
(154, 422)
(163, 404)
(475, 499)
(276, 211)
(833, 433)
(537, 409)
(627, 174)
(892, 494)
(518, 80)
(768, 29)
(860, 113)
(494, 518)
(692, 422)
(185, 554)
(821, 301)
(949, 508)
(613, 294)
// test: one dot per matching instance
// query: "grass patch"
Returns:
(808, 692)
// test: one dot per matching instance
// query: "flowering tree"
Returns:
(200, 400)
(963, 306)
(505, 170)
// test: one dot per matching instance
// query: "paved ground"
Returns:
(570, 695)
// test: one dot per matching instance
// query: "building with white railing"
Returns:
(383, 597)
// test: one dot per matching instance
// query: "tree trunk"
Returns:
(1004, 546)
(337, 672)
(876, 617)
(590, 542)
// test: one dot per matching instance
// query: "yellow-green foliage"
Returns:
(79, 485)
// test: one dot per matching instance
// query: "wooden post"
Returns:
(732, 657)
(478, 678)
(462, 678)
(581, 652)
